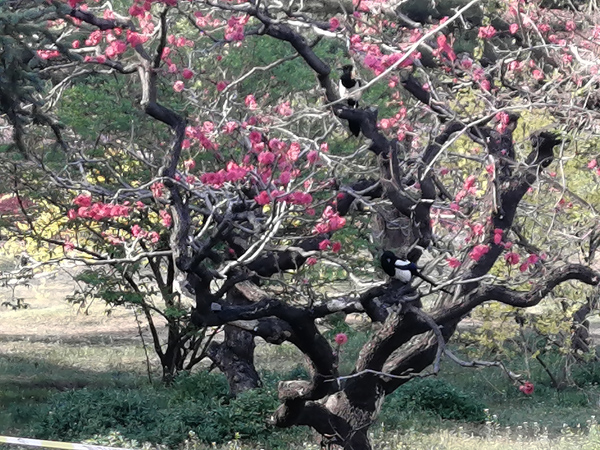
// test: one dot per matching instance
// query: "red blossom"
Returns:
(187, 74)
(336, 247)
(311, 261)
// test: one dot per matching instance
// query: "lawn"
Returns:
(75, 374)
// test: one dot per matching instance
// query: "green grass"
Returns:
(55, 364)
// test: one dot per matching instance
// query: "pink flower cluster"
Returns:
(201, 133)
(478, 251)
(284, 109)
(444, 48)
(375, 59)
(468, 188)
(486, 32)
(48, 54)
(96, 211)
(139, 232)
(235, 28)
(326, 244)
(330, 221)
(115, 48)
(294, 198)
(232, 173)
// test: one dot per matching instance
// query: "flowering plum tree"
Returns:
(476, 155)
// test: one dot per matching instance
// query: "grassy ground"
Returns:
(53, 347)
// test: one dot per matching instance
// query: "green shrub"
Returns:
(159, 415)
(432, 396)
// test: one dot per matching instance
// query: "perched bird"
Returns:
(402, 270)
(348, 87)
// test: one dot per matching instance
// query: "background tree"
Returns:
(477, 140)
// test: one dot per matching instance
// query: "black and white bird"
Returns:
(402, 270)
(349, 87)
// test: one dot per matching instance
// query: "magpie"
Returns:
(348, 87)
(402, 270)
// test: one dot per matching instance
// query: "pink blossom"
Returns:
(334, 24)
(135, 39)
(178, 86)
(250, 102)
(284, 109)
(512, 258)
(485, 85)
(498, 235)
(75, 44)
(157, 189)
(221, 85)
(72, 214)
(537, 74)
(527, 388)
(266, 158)
(453, 262)
(592, 164)
(478, 251)
(532, 259)
(324, 147)
(189, 164)
(341, 338)
(523, 267)
(324, 244)
(486, 32)
(263, 198)
(137, 231)
(336, 247)
(83, 200)
(513, 28)
(321, 227)
(187, 74)
(165, 218)
(284, 178)
(68, 246)
(570, 26)
(311, 261)
(312, 156)
(294, 151)
(337, 222)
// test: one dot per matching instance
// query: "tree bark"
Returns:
(235, 358)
